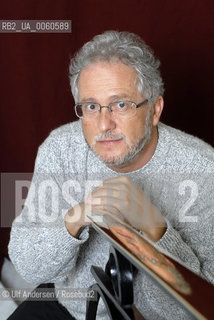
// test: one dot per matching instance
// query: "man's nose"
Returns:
(105, 120)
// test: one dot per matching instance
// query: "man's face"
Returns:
(116, 140)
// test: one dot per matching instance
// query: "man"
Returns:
(156, 178)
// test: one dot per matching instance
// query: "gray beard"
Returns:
(132, 151)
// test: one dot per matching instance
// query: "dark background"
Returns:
(34, 90)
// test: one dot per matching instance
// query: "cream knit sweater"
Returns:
(180, 181)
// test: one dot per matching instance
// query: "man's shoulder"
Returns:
(72, 129)
(186, 146)
(63, 149)
(69, 134)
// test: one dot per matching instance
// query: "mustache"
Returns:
(109, 135)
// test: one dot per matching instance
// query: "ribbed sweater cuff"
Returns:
(170, 242)
(67, 241)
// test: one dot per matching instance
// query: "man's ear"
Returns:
(157, 110)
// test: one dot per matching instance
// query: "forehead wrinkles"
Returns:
(109, 79)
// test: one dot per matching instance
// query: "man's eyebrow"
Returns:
(119, 97)
(90, 99)
(113, 97)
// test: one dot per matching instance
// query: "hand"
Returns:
(126, 200)
(76, 219)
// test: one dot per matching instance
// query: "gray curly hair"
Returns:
(127, 48)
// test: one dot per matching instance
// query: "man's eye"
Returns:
(121, 104)
(91, 107)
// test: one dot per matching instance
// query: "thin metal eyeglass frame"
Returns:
(109, 107)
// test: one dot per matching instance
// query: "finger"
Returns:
(108, 202)
(121, 179)
(113, 212)
(124, 185)
(108, 191)
(106, 209)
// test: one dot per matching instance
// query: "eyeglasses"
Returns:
(125, 109)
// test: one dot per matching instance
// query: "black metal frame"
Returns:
(115, 287)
